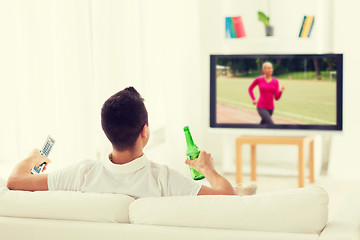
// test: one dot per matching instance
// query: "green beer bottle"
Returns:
(192, 152)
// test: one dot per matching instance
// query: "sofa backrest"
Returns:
(302, 210)
(293, 211)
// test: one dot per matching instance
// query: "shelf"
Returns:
(273, 45)
(286, 17)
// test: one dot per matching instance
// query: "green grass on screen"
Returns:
(307, 102)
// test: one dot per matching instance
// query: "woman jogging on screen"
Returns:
(269, 89)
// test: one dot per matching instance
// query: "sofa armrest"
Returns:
(345, 224)
(64, 205)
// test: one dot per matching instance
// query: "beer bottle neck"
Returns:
(189, 140)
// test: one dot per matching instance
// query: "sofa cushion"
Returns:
(302, 210)
(98, 207)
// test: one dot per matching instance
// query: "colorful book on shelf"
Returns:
(239, 27)
(234, 27)
(306, 26)
(227, 27)
(230, 30)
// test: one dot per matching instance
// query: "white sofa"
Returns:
(298, 214)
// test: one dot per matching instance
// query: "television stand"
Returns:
(255, 140)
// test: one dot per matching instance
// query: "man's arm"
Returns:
(21, 177)
(205, 165)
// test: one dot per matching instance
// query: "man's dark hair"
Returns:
(123, 116)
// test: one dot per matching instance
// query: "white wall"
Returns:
(345, 156)
(60, 60)
(78, 53)
(46, 84)
(213, 41)
(336, 34)
(183, 90)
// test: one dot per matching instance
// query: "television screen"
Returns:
(276, 91)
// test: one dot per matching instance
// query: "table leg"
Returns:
(311, 161)
(253, 162)
(301, 165)
(238, 162)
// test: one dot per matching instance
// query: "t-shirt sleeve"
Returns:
(69, 178)
(179, 185)
(251, 88)
(277, 93)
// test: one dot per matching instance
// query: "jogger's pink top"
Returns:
(268, 91)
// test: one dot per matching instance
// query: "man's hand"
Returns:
(35, 158)
(21, 177)
(203, 164)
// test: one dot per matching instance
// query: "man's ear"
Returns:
(145, 131)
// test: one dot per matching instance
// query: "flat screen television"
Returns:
(242, 95)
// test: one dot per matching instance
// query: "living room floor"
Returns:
(335, 188)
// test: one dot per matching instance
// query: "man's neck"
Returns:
(122, 157)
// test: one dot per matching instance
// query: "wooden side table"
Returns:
(255, 140)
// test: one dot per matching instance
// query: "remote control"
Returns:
(44, 152)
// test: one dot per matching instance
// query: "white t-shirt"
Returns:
(139, 178)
